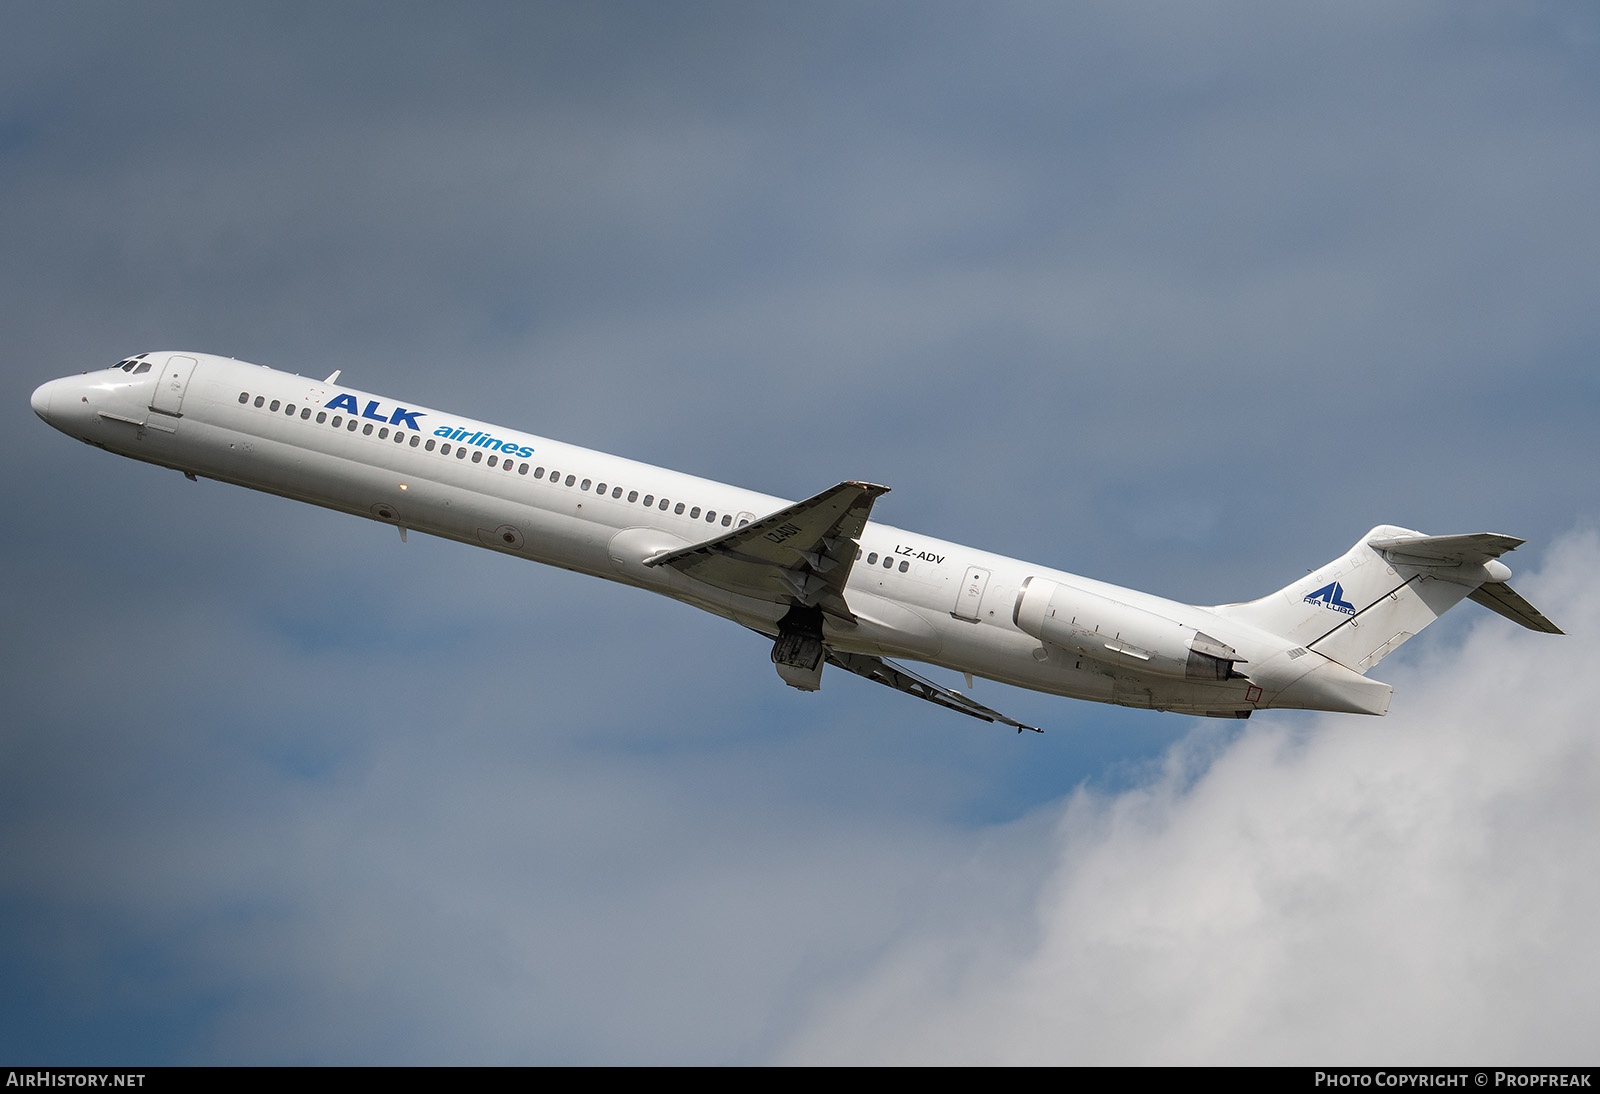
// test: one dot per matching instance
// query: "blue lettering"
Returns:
(1332, 596)
(445, 431)
(408, 418)
(344, 402)
(368, 413)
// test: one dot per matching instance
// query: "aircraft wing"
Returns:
(802, 554)
(892, 675)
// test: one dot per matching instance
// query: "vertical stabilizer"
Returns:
(1363, 605)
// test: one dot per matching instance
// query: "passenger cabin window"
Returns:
(244, 397)
(261, 401)
(274, 406)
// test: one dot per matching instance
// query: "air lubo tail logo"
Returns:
(1332, 596)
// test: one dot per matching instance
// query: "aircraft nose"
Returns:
(41, 400)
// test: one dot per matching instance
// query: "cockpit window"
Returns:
(144, 366)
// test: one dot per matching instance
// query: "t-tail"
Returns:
(1363, 605)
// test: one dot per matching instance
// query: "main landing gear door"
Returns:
(970, 598)
(167, 401)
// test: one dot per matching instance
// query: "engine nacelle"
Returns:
(1119, 634)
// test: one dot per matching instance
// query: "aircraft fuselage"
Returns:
(907, 595)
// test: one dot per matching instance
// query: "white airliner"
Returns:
(828, 586)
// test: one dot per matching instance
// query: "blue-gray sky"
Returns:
(1180, 296)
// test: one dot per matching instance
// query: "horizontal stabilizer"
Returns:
(1464, 550)
(1502, 599)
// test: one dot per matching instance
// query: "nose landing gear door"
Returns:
(166, 403)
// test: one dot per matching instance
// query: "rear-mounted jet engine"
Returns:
(1115, 633)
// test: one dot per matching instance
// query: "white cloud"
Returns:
(1414, 889)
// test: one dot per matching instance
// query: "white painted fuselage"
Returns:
(908, 595)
